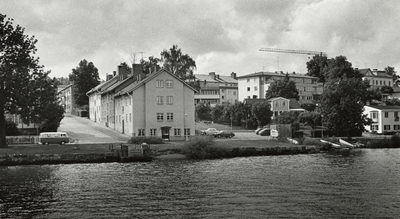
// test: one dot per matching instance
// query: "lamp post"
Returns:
(184, 129)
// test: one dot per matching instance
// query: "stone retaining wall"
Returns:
(253, 151)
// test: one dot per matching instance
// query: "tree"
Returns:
(262, 113)
(182, 65)
(342, 105)
(203, 112)
(282, 88)
(11, 128)
(84, 77)
(390, 71)
(339, 67)
(217, 113)
(312, 119)
(152, 64)
(16, 63)
(43, 106)
(309, 106)
(316, 66)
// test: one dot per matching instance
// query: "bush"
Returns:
(148, 140)
(312, 141)
(393, 142)
(11, 128)
(203, 147)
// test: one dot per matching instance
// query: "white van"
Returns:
(53, 138)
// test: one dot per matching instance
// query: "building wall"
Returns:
(385, 121)
(250, 88)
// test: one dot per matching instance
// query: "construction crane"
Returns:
(292, 51)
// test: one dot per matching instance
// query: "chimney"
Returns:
(114, 73)
(233, 75)
(122, 72)
(108, 77)
(137, 72)
(212, 74)
(218, 76)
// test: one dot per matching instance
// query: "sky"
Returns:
(222, 36)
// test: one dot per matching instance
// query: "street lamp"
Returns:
(184, 127)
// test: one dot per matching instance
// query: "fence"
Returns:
(22, 139)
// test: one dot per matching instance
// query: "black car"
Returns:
(224, 133)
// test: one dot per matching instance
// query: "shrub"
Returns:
(203, 147)
(312, 141)
(148, 140)
(11, 128)
(393, 142)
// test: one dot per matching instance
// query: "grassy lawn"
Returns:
(104, 147)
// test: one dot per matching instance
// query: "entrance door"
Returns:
(165, 132)
(123, 130)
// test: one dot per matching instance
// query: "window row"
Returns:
(168, 83)
(160, 100)
(153, 132)
(160, 117)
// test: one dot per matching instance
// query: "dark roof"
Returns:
(380, 107)
(291, 75)
(104, 85)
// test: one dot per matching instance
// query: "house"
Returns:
(377, 79)
(255, 85)
(216, 89)
(160, 105)
(279, 105)
(65, 98)
(384, 118)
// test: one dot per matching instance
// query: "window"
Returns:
(170, 100)
(141, 132)
(229, 92)
(160, 117)
(222, 97)
(248, 88)
(159, 83)
(255, 88)
(234, 92)
(170, 117)
(248, 79)
(160, 100)
(283, 103)
(187, 132)
(177, 132)
(386, 127)
(386, 114)
(153, 132)
(130, 117)
(222, 90)
(169, 84)
(396, 127)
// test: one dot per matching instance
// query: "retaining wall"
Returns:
(253, 151)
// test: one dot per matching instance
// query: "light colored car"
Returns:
(209, 131)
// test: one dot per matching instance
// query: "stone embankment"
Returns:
(121, 154)
(253, 151)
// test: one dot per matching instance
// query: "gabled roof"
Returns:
(207, 78)
(115, 85)
(369, 73)
(228, 79)
(62, 88)
(149, 77)
(291, 75)
(379, 107)
(101, 87)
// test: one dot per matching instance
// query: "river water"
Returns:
(365, 184)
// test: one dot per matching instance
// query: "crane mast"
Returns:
(292, 51)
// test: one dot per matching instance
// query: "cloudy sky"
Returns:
(222, 36)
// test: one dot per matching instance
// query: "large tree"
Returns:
(390, 71)
(316, 66)
(182, 65)
(16, 64)
(261, 112)
(282, 88)
(84, 77)
(151, 65)
(342, 105)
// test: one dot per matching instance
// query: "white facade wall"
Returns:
(384, 120)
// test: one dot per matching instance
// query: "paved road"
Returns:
(83, 130)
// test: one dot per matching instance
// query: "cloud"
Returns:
(222, 36)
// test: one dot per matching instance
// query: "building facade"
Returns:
(253, 86)
(384, 118)
(377, 79)
(65, 98)
(216, 89)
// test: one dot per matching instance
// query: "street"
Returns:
(83, 130)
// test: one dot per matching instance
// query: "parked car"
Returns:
(209, 131)
(224, 133)
(265, 132)
(258, 130)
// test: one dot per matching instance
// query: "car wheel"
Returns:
(62, 143)
(46, 143)
(230, 136)
(218, 136)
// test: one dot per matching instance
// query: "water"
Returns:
(365, 184)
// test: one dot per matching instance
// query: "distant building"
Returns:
(280, 105)
(216, 89)
(377, 79)
(65, 97)
(254, 86)
(384, 118)
(17, 120)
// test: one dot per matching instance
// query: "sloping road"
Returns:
(83, 130)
